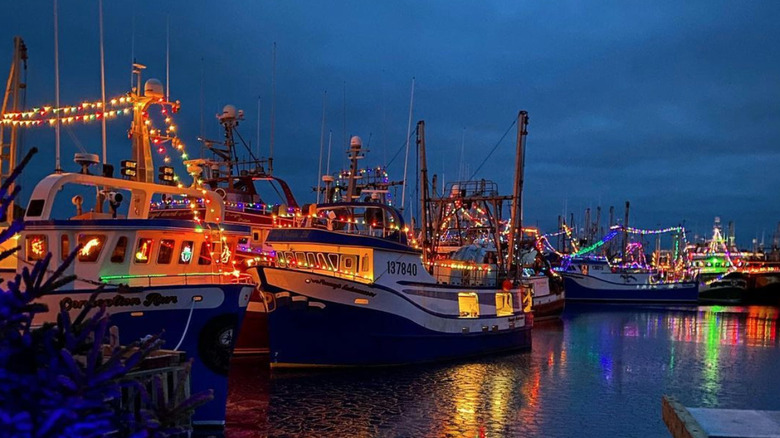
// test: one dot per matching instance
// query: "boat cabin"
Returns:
(129, 248)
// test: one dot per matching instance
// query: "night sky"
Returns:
(673, 106)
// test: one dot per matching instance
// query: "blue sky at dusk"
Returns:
(674, 106)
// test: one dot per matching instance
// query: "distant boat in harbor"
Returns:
(593, 279)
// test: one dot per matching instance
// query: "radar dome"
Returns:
(355, 142)
(153, 88)
(228, 112)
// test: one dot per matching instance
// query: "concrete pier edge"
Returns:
(679, 421)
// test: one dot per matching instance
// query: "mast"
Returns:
(406, 158)
(102, 82)
(516, 218)
(57, 167)
(273, 113)
(322, 146)
(14, 84)
(424, 191)
(141, 149)
(355, 145)
(625, 231)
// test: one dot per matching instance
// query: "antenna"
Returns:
(202, 76)
(273, 112)
(408, 135)
(330, 142)
(322, 144)
(102, 80)
(167, 57)
(462, 165)
(258, 126)
(132, 46)
(57, 167)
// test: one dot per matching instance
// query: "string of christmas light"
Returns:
(84, 118)
(633, 230)
(70, 109)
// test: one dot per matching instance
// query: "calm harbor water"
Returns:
(601, 371)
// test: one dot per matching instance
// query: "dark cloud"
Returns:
(672, 106)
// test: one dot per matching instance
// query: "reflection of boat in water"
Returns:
(594, 279)
(350, 290)
(170, 276)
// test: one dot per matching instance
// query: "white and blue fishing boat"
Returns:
(351, 289)
(594, 279)
(169, 276)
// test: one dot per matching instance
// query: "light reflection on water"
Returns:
(599, 372)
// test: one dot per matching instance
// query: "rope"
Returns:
(494, 148)
(186, 327)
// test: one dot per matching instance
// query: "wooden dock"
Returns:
(686, 422)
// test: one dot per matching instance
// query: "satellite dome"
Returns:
(355, 142)
(228, 112)
(153, 88)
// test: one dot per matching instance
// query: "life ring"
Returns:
(216, 341)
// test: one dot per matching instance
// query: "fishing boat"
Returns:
(594, 278)
(716, 264)
(168, 276)
(253, 197)
(467, 231)
(350, 290)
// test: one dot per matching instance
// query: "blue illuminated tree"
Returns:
(55, 380)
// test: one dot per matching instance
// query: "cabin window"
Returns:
(348, 264)
(64, 246)
(256, 235)
(144, 250)
(91, 245)
(37, 247)
(300, 258)
(503, 304)
(35, 208)
(205, 254)
(290, 258)
(468, 304)
(310, 259)
(185, 255)
(334, 261)
(165, 254)
(584, 269)
(364, 264)
(118, 256)
(280, 260)
(322, 261)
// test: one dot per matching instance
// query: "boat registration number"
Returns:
(402, 268)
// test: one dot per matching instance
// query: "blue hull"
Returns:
(612, 292)
(342, 335)
(209, 338)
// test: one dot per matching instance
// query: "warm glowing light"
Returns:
(89, 246)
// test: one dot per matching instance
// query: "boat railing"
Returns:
(180, 279)
(354, 276)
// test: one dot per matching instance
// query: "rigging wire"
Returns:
(514, 122)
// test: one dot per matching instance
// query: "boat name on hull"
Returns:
(153, 299)
(341, 286)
